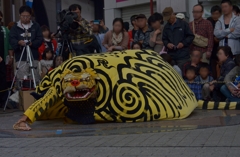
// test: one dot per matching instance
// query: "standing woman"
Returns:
(116, 39)
(155, 21)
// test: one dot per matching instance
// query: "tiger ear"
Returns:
(65, 72)
(93, 73)
(97, 77)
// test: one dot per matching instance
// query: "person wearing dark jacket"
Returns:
(22, 32)
(177, 37)
(227, 64)
(216, 12)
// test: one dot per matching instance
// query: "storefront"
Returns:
(127, 8)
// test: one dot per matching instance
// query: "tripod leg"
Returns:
(14, 79)
(61, 54)
(31, 65)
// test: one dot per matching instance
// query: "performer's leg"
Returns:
(39, 107)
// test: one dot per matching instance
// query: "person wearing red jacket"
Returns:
(47, 43)
(131, 33)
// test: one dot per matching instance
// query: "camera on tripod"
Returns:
(66, 21)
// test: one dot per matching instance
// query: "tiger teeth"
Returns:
(77, 97)
(80, 90)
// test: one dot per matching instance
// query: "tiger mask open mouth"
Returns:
(80, 86)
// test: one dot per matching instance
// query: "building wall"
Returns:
(10, 10)
(87, 7)
(50, 6)
(113, 6)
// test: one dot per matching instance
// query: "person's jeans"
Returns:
(225, 91)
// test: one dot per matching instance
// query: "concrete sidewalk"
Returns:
(203, 134)
(213, 142)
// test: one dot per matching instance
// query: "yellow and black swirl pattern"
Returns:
(134, 86)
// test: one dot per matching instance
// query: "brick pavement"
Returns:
(213, 142)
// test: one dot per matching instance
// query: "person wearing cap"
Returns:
(177, 37)
(180, 16)
(203, 28)
(143, 34)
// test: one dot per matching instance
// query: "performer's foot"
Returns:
(22, 124)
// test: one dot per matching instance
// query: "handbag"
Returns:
(199, 40)
(163, 51)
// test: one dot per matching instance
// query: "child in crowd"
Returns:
(136, 46)
(47, 43)
(190, 80)
(196, 57)
(206, 81)
(57, 61)
(167, 58)
(46, 62)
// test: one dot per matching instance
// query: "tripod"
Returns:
(69, 46)
(65, 40)
(30, 62)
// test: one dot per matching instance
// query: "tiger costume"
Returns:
(130, 86)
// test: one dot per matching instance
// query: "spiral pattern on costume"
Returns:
(104, 90)
(128, 101)
(133, 86)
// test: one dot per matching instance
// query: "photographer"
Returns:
(82, 33)
(22, 32)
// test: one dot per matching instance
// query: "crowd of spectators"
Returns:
(205, 52)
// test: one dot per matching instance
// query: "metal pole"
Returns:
(151, 6)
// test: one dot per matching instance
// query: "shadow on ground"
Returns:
(199, 119)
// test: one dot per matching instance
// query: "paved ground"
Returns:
(208, 133)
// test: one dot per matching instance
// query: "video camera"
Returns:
(66, 20)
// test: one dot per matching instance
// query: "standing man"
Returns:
(203, 28)
(143, 34)
(82, 33)
(227, 29)
(216, 13)
(177, 37)
(5, 49)
(22, 32)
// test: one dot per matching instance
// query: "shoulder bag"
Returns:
(199, 40)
